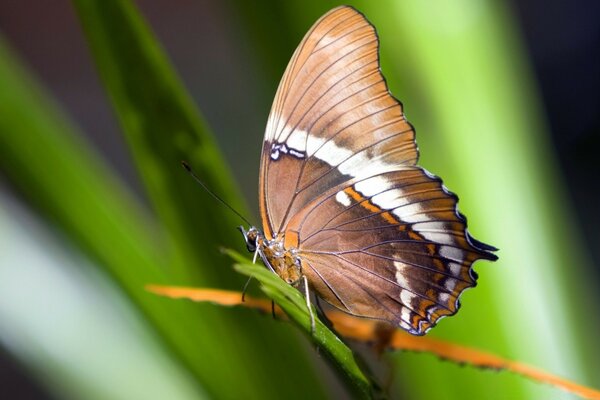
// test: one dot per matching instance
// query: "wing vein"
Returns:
(337, 296)
(292, 66)
(396, 284)
(358, 151)
(319, 75)
(373, 214)
(395, 187)
(305, 159)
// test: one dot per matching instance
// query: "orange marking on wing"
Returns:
(430, 293)
(431, 248)
(413, 235)
(370, 206)
(354, 194)
(291, 239)
(389, 218)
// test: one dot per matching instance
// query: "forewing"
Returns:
(392, 246)
(332, 120)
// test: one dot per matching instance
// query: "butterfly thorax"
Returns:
(284, 262)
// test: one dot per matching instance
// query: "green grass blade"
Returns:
(45, 158)
(163, 128)
(54, 303)
(294, 305)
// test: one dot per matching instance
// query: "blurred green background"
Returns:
(94, 203)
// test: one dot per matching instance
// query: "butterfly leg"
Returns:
(307, 298)
(273, 310)
(249, 279)
(246, 288)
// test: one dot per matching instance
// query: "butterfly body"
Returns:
(344, 207)
(281, 261)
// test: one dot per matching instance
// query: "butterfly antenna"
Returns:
(213, 194)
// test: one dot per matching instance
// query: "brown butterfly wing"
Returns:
(392, 246)
(378, 237)
(332, 113)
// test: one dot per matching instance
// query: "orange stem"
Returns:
(385, 336)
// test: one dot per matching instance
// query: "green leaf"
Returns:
(294, 305)
(45, 158)
(163, 127)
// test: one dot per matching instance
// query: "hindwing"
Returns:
(391, 246)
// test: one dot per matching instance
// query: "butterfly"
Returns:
(345, 210)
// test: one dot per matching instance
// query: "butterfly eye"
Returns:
(250, 237)
(251, 247)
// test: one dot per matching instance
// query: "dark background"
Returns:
(562, 39)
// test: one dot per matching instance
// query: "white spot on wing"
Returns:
(407, 297)
(278, 148)
(303, 142)
(432, 310)
(332, 154)
(343, 198)
(405, 325)
(390, 199)
(297, 141)
(327, 150)
(405, 314)
(401, 272)
(372, 186)
(454, 268)
(438, 237)
(452, 253)
(360, 164)
(348, 163)
(314, 143)
(429, 225)
(450, 284)
(415, 217)
(410, 209)
(296, 154)
(444, 297)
